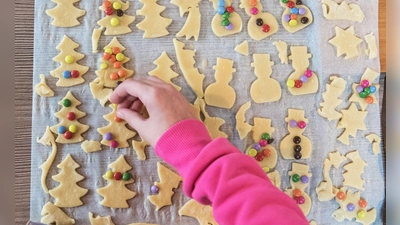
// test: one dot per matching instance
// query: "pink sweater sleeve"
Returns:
(215, 172)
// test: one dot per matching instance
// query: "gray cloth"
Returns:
(143, 52)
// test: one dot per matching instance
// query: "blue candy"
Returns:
(221, 3)
(294, 10)
(372, 88)
(62, 129)
(66, 74)
(221, 10)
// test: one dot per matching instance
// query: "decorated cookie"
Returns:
(226, 21)
(296, 15)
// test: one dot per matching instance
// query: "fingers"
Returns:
(133, 118)
(130, 87)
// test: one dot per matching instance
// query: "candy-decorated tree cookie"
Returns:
(303, 80)
(261, 24)
(153, 25)
(226, 21)
(296, 15)
(69, 72)
(115, 134)
(69, 130)
(65, 14)
(295, 145)
(117, 178)
(116, 21)
(191, 28)
(68, 193)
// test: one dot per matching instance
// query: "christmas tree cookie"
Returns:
(191, 28)
(65, 14)
(47, 140)
(116, 21)
(295, 145)
(364, 91)
(331, 98)
(226, 21)
(69, 130)
(117, 178)
(42, 89)
(212, 123)
(299, 180)
(162, 191)
(263, 70)
(68, 193)
(164, 71)
(153, 25)
(203, 213)
(115, 134)
(51, 214)
(303, 80)
(220, 94)
(296, 15)
(69, 72)
(261, 24)
(352, 120)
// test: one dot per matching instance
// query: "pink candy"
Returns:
(114, 144)
(364, 83)
(301, 124)
(254, 11)
(263, 142)
(308, 73)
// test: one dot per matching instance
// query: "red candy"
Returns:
(121, 73)
(267, 153)
(106, 55)
(68, 135)
(290, 4)
(362, 203)
(75, 73)
(230, 9)
(114, 144)
(114, 76)
(117, 176)
(116, 50)
(263, 142)
(109, 11)
(265, 28)
(117, 65)
(71, 116)
(259, 157)
(298, 83)
(341, 195)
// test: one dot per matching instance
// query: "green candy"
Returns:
(67, 102)
(265, 136)
(225, 22)
(285, 1)
(226, 15)
(295, 178)
(363, 94)
(367, 90)
(126, 177)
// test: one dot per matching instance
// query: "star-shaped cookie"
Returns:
(346, 42)
(352, 120)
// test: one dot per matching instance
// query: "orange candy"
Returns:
(296, 193)
(362, 203)
(121, 73)
(293, 17)
(114, 76)
(112, 59)
(117, 119)
(369, 100)
(116, 50)
(106, 3)
(117, 65)
(341, 195)
(106, 56)
(253, 2)
(267, 152)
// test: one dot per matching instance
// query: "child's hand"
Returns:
(165, 105)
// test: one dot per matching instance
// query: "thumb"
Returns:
(133, 118)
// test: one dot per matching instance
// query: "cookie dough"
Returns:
(372, 50)
(234, 18)
(98, 220)
(342, 11)
(263, 70)
(346, 42)
(65, 14)
(91, 146)
(100, 92)
(299, 24)
(370, 75)
(212, 123)
(352, 120)
(139, 147)
(203, 213)
(243, 48)
(62, 114)
(68, 59)
(275, 178)
(168, 182)
(123, 22)
(117, 186)
(190, 72)
(376, 142)
(47, 140)
(281, 46)
(95, 39)
(68, 193)
(164, 71)
(354, 170)
(242, 127)
(51, 214)
(191, 28)
(331, 98)
(42, 89)
(220, 94)
(153, 25)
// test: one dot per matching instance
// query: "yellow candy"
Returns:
(108, 50)
(117, 5)
(120, 57)
(69, 59)
(290, 83)
(361, 214)
(293, 23)
(266, 169)
(114, 22)
(109, 174)
(252, 152)
(72, 128)
(103, 66)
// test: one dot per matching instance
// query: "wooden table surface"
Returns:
(24, 14)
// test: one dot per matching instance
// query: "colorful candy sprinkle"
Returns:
(265, 136)
(296, 139)
(296, 192)
(254, 11)
(126, 176)
(257, 146)
(341, 195)
(304, 179)
(114, 22)
(114, 76)
(308, 73)
(259, 157)
(267, 153)
(302, 11)
(252, 152)
(290, 4)
(259, 22)
(66, 74)
(301, 124)
(362, 203)
(298, 83)
(61, 129)
(68, 135)
(359, 89)
(372, 88)
(67, 102)
(266, 169)
(286, 17)
(369, 99)
(290, 83)
(296, 178)
(109, 174)
(351, 207)
(361, 214)
(304, 20)
(229, 27)
(108, 136)
(69, 59)
(114, 144)
(117, 176)
(225, 22)
(293, 123)
(117, 5)
(293, 23)
(154, 189)
(265, 28)
(72, 128)
(263, 142)
(364, 83)
(230, 9)
(103, 66)
(294, 10)
(300, 200)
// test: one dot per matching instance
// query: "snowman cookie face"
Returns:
(296, 15)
